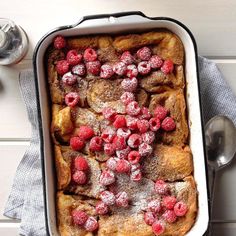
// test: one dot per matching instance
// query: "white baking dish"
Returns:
(122, 23)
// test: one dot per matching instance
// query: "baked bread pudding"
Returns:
(120, 133)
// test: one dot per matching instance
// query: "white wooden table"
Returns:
(213, 23)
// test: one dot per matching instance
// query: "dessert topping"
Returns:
(76, 143)
(90, 54)
(144, 53)
(69, 79)
(107, 177)
(59, 42)
(81, 163)
(62, 67)
(106, 71)
(95, 144)
(73, 58)
(85, 132)
(108, 198)
(168, 124)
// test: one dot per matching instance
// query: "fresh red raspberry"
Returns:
(73, 58)
(123, 132)
(158, 227)
(145, 149)
(71, 99)
(131, 71)
(154, 206)
(123, 154)
(136, 175)
(144, 68)
(81, 163)
(161, 187)
(69, 79)
(133, 108)
(129, 84)
(127, 97)
(144, 53)
(168, 124)
(79, 217)
(148, 137)
(119, 142)
(62, 67)
(109, 149)
(145, 113)
(169, 202)
(160, 112)
(143, 126)
(134, 157)
(79, 69)
(149, 217)
(76, 143)
(106, 71)
(131, 122)
(120, 68)
(111, 163)
(91, 224)
(169, 216)
(85, 132)
(155, 62)
(127, 58)
(167, 67)
(109, 113)
(180, 208)
(59, 42)
(119, 122)
(107, 177)
(90, 54)
(93, 67)
(154, 124)
(122, 199)
(135, 167)
(95, 144)
(122, 166)
(108, 134)
(134, 140)
(101, 208)
(79, 177)
(108, 198)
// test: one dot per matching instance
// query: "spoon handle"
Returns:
(212, 194)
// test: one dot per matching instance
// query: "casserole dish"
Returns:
(113, 24)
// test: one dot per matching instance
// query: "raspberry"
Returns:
(144, 53)
(134, 140)
(73, 58)
(169, 202)
(69, 79)
(108, 134)
(90, 54)
(107, 177)
(135, 167)
(62, 67)
(71, 99)
(145, 113)
(149, 218)
(168, 124)
(158, 227)
(180, 208)
(148, 137)
(160, 112)
(127, 58)
(143, 126)
(109, 149)
(93, 67)
(122, 166)
(119, 122)
(59, 42)
(161, 187)
(136, 176)
(79, 69)
(132, 71)
(76, 143)
(122, 154)
(144, 68)
(119, 142)
(81, 163)
(95, 144)
(123, 132)
(101, 208)
(167, 67)
(155, 62)
(131, 122)
(122, 199)
(169, 216)
(85, 132)
(134, 157)
(108, 198)
(155, 124)
(106, 72)
(109, 113)
(145, 149)
(91, 224)
(127, 97)
(111, 163)
(154, 206)
(79, 177)
(120, 68)
(79, 217)
(129, 84)
(133, 108)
